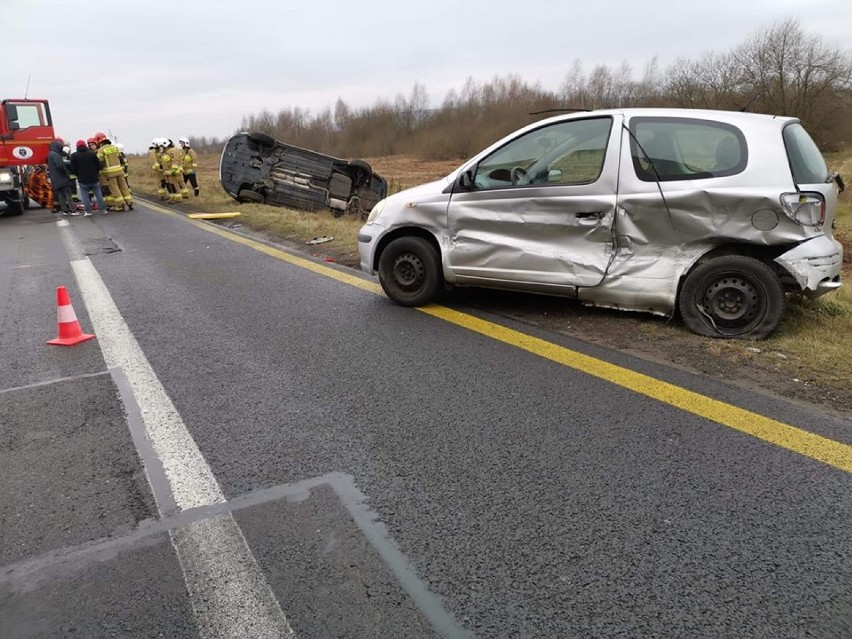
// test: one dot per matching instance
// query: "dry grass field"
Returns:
(808, 358)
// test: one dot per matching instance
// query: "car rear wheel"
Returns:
(362, 172)
(410, 271)
(732, 297)
(247, 195)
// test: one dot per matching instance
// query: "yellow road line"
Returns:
(797, 440)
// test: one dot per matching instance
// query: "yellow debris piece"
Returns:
(212, 216)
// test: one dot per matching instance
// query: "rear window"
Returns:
(685, 149)
(806, 161)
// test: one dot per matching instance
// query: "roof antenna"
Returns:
(27, 90)
(743, 109)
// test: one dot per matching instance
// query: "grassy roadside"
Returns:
(815, 338)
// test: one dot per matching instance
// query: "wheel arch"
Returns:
(405, 231)
(765, 254)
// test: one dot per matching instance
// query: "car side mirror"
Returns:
(11, 113)
(466, 180)
(554, 175)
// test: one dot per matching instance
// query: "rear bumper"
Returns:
(815, 265)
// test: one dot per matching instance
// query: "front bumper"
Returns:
(367, 242)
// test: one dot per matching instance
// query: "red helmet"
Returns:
(100, 136)
(92, 141)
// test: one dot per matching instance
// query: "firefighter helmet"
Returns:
(92, 140)
(184, 141)
(100, 136)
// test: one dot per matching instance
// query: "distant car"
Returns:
(712, 214)
(257, 168)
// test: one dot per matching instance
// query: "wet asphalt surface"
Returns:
(527, 499)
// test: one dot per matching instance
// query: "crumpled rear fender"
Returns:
(815, 265)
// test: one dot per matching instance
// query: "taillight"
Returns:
(807, 209)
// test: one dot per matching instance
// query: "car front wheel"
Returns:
(732, 297)
(410, 271)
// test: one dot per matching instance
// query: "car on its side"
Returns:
(716, 215)
(257, 168)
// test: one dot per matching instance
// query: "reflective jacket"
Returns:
(110, 158)
(190, 161)
(154, 159)
(170, 161)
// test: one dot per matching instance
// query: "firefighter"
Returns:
(109, 199)
(156, 169)
(123, 157)
(190, 165)
(112, 170)
(170, 161)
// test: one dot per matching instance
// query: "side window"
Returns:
(28, 114)
(565, 153)
(806, 161)
(685, 149)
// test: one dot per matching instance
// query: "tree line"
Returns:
(781, 70)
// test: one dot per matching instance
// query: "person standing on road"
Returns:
(86, 166)
(189, 162)
(156, 168)
(92, 143)
(170, 162)
(113, 171)
(60, 178)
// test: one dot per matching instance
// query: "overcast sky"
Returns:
(148, 68)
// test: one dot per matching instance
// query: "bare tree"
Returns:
(793, 73)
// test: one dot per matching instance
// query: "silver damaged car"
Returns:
(716, 215)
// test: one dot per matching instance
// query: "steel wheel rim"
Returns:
(733, 303)
(409, 273)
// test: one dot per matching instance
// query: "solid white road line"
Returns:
(192, 481)
(227, 590)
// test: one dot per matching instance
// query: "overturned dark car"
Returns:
(257, 168)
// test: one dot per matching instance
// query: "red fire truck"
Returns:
(26, 131)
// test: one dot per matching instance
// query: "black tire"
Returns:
(13, 208)
(247, 195)
(261, 139)
(361, 172)
(410, 271)
(25, 200)
(732, 296)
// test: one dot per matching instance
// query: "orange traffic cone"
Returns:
(70, 332)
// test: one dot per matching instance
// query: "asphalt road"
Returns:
(252, 447)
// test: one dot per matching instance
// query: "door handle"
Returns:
(585, 215)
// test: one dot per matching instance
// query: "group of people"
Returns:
(174, 168)
(98, 167)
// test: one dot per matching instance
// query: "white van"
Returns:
(714, 214)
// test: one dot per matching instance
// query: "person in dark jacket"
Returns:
(60, 178)
(86, 166)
